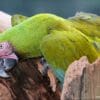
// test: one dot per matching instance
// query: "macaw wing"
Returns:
(96, 43)
(89, 17)
(87, 23)
(60, 48)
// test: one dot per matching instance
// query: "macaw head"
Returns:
(8, 59)
(6, 51)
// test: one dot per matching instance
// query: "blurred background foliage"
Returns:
(64, 8)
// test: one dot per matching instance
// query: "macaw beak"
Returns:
(9, 64)
(3, 74)
(6, 65)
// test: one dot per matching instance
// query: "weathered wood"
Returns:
(82, 81)
(26, 83)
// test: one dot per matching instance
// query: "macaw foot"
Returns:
(6, 64)
(44, 68)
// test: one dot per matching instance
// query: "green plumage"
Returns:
(63, 47)
(59, 40)
(26, 37)
(89, 24)
(17, 19)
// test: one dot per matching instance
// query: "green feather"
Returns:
(59, 40)
(89, 24)
(60, 48)
(17, 19)
(26, 36)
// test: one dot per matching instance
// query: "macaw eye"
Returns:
(1, 46)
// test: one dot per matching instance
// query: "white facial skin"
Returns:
(5, 49)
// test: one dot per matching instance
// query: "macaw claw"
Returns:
(44, 68)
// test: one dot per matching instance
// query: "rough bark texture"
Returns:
(26, 83)
(82, 81)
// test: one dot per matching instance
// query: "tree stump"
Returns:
(82, 81)
(26, 83)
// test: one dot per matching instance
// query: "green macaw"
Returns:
(53, 37)
(17, 19)
(86, 22)
(89, 24)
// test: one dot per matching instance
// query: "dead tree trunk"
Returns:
(26, 83)
(82, 81)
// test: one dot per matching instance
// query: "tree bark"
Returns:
(26, 83)
(82, 81)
